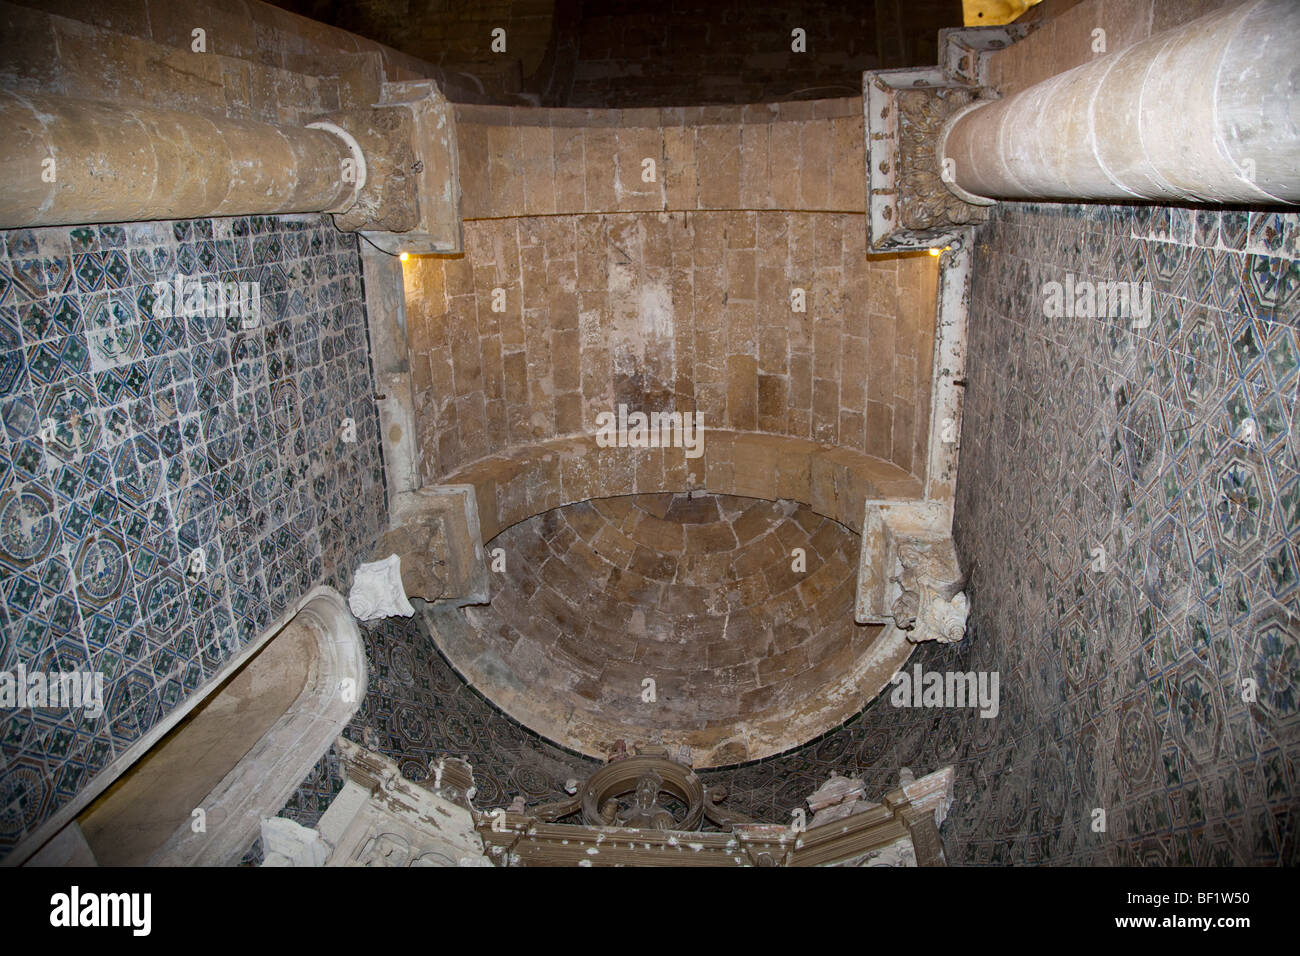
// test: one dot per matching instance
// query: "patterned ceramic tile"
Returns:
(1202, 567)
(135, 437)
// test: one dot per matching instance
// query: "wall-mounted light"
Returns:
(404, 256)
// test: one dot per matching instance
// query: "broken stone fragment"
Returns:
(377, 591)
(946, 619)
(837, 798)
(286, 842)
(835, 790)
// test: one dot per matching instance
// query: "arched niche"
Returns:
(844, 485)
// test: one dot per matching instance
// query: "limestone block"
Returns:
(436, 531)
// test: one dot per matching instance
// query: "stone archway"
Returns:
(257, 736)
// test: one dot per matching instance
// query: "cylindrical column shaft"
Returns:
(70, 161)
(1207, 112)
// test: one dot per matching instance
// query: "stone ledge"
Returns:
(531, 479)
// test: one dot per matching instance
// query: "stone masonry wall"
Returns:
(686, 311)
(794, 156)
(669, 294)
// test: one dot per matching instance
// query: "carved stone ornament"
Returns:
(631, 792)
(630, 799)
(377, 591)
(908, 574)
(909, 204)
(926, 591)
(381, 819)
(924, 201)
(837, 798)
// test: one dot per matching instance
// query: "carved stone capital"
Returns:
(435, 531)
(908, 573)
(910, 204)
(924, 201)
(406, 166)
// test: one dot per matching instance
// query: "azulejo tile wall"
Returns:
(134, 436)
(1158, 678)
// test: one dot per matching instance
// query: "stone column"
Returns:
(70, 161)
(1204, 113)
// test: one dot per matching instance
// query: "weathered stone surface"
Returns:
(1175, 117)
(161, 167)
(381, 819)
(909, 203)
(778, 156)
(908, 573)
(679, 311)
(419, 211)
(389, 200)
(739, 610)
(530, 479)
(435, 531)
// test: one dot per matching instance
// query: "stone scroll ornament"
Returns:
(929, 603)
(377, 591)
(909, 576)
(629, 792)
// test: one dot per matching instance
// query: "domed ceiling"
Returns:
(720, 623)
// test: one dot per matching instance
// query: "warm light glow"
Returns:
(934, 252)
(404, 256)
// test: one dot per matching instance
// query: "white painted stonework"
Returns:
(288, 843)
(377, 591)
(379, 818)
